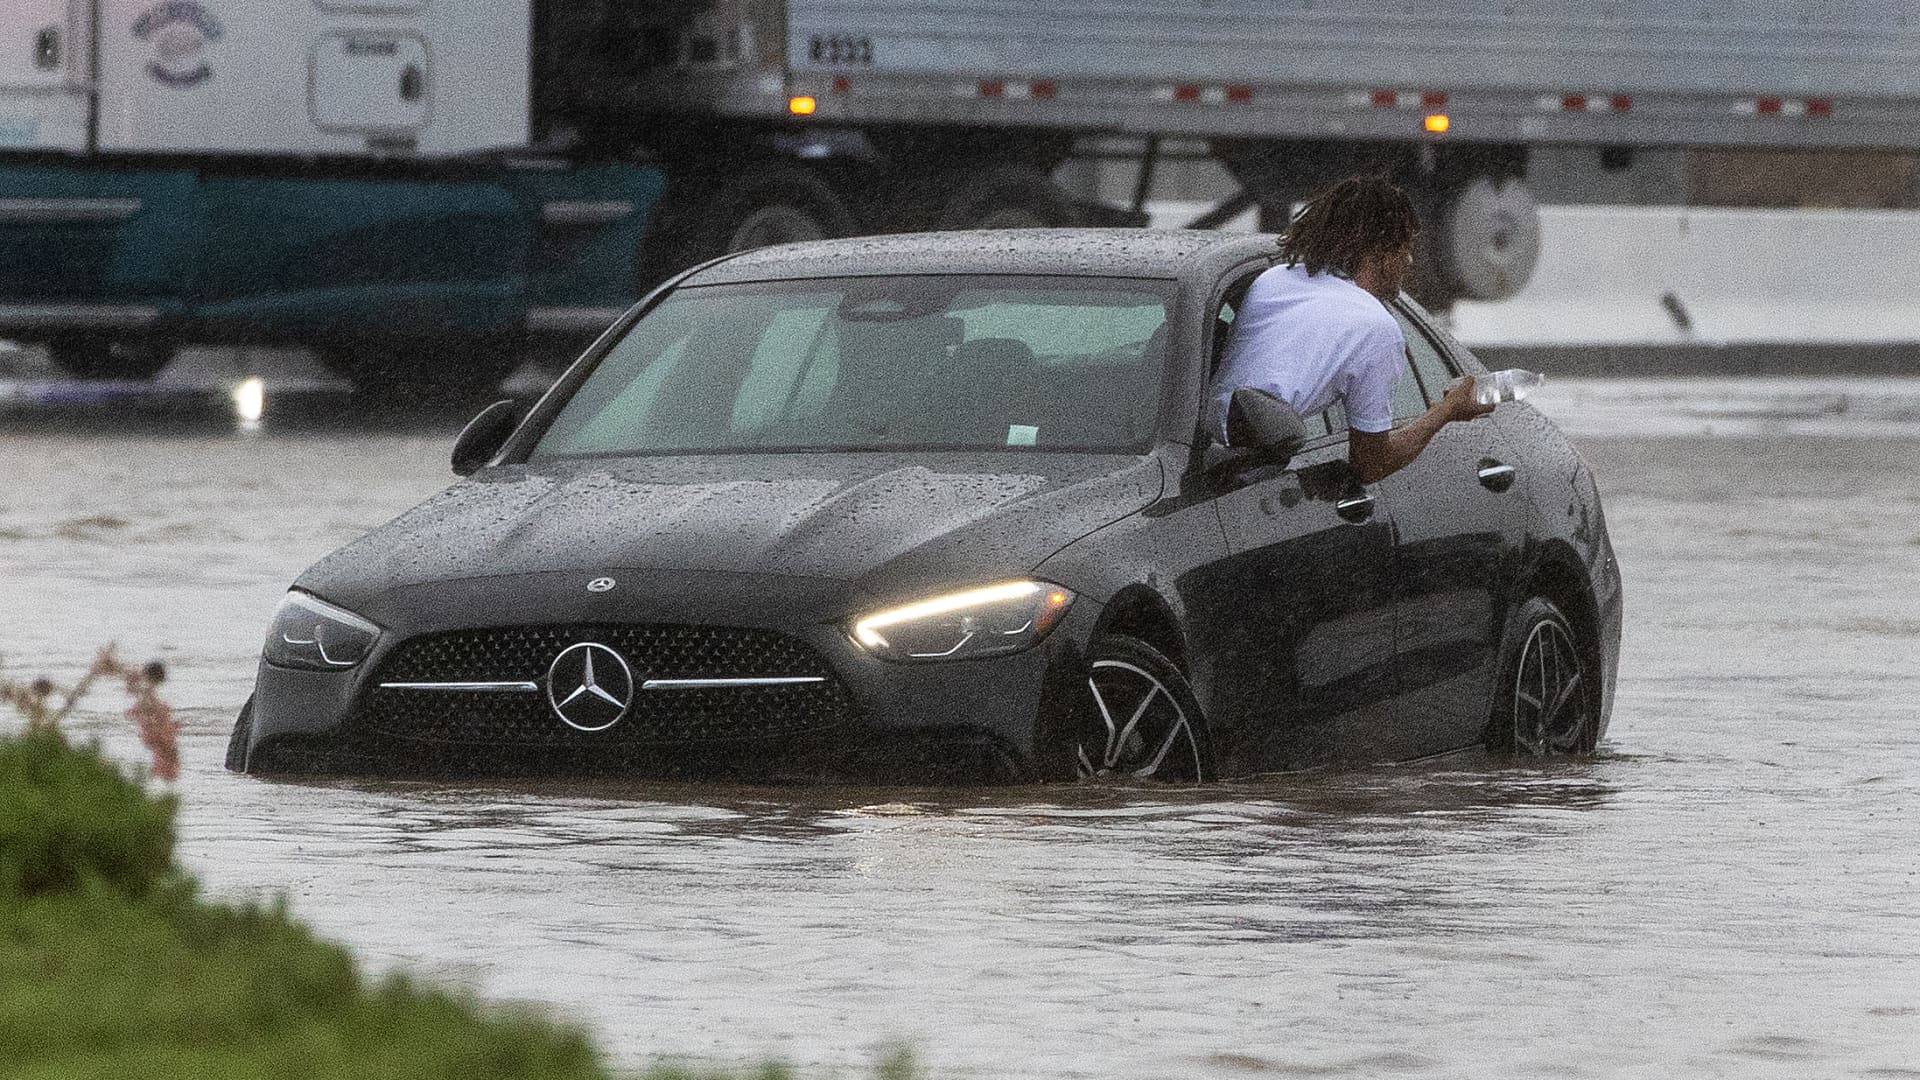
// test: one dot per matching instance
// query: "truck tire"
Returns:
(1483, 240)
(93, 356)
(1009, 197)
(756, 203)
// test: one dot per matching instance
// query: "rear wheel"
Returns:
(1139, 719)
(92, 356)
(1545, 699)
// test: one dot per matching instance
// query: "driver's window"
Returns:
(1223, 321)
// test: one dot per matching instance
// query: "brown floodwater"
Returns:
(1728, 889)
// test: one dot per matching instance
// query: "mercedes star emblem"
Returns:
(589, 686)
(601, 584)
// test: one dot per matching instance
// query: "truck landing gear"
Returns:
(96, 356)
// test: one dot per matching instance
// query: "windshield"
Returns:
(937, 362)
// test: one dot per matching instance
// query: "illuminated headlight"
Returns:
(991, 621)
(313, 635)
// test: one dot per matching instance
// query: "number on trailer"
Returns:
(841, 49)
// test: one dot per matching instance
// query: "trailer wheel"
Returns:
(1484, 240)
(93, 356)
(1009, 197)
(754, 204)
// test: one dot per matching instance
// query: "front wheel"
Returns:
(1139, 718)
(1545, 699)
(237, 742)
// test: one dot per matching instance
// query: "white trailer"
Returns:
(264, 77)
(951, 111)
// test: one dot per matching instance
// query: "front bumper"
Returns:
(967, 721)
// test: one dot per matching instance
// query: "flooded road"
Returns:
(1731, 888)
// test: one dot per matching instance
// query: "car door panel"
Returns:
(1455, 544)
(1312, 649)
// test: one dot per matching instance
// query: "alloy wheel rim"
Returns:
(1549, 694)
(1143, 732)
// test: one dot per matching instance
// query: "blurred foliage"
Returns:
(68, 817)
(111, 966)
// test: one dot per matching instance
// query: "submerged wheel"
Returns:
(1140, 718)
(91, 356)
(1545, 702)
(237, 742)
(1009, 197)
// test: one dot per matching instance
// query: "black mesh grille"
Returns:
(523, 654)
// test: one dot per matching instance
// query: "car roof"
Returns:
(1141, 253)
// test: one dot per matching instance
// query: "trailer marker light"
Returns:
(1438, 123)
(802, 106)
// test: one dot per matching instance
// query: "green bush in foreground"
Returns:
(111, 967)
(67, 817)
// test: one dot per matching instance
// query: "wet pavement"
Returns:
(1728, 889)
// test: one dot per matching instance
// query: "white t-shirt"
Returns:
(1312, 340)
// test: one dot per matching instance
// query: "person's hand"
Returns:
(1458, 403)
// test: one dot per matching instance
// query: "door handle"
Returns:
(1357, 509)
(1496, 476)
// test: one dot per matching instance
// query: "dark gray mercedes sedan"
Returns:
(941, 507)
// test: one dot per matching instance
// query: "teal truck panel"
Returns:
(289, 256)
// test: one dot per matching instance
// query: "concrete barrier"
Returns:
(1611, 276)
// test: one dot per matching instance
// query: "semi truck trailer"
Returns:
(422, 190)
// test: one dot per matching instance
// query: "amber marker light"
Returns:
(1438, 123)
(802, 106)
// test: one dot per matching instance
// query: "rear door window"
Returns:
(1428, 358)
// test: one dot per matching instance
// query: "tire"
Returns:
(1545, 695)
(91, 356)
(237, 742)
(1481, 241)
(1138, 720)
(1009, 197)
(739, 205)
(425, 374)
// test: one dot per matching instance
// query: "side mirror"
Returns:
(483, 436)
(1259, 421)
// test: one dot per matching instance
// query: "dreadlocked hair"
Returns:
(1355, 218)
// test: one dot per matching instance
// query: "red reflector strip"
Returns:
(1621, 103)
(1385, 99)
(1433, 99)
(1046, 91)
(992, 88)
(1819, 107)
(1240, 95)
(1772, 106)
(1186, 93)
(842, 84)
(1574, 103)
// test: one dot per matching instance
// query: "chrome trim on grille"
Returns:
(83, 315)
(585, 211)
(84, 211)
(724, 684)
(478, 687)
(578, 319)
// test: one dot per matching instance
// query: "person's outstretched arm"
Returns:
(1378, 455)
